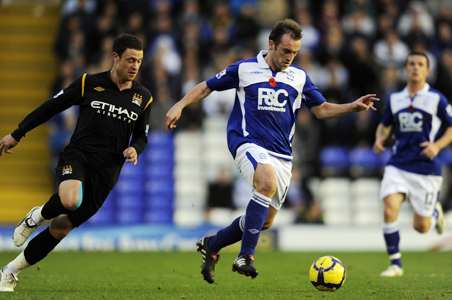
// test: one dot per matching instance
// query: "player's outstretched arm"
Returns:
(7, 143)
(332, 110)
(131, 155)
(196, 94)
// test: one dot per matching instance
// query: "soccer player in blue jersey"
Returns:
(269, 93)
(421, 120)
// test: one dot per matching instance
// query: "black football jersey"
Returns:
(109, 121)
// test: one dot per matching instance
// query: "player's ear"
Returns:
(271, 45)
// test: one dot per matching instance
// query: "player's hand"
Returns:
(431, 150)
(7, 143)
(131, 155)
(366, 102)
(172, 116)
(378, 146)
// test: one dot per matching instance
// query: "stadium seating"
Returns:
(334, 161)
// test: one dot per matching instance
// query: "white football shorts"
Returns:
(249, 155)
(421, 190)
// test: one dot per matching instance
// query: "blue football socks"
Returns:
(256, 213)
(227, 236)
(392, 239)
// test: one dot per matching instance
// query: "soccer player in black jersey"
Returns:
(113, 107)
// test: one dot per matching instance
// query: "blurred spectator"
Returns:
(306, 143)
(161, 104)
(444, 75)
(332, 46)
(220, 192)
(443, 39)
(390, 82)
(311, 35)
(363, 78)
(330, 16)
(359, 23)
(416, 23)
(333, 76)
(305, 60)
(391, 51)
(247, 27)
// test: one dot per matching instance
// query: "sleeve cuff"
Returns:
(17, 134)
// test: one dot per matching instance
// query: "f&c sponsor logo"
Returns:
(270, 99)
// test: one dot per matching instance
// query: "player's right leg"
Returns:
(67, 200)
(391, 234)
(36, 250)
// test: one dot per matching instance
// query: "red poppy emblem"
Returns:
(411, 108)
(272, 81)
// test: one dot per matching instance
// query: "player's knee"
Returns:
(267, 187)
(389, 212)
(422, 227)
(70, 202)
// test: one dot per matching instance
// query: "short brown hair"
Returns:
(283, 27)
(417, 53)
(126, 41)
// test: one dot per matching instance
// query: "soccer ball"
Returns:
(327, 273)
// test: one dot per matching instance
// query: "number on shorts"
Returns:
(429, 199)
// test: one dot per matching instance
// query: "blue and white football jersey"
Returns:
(423, 118)
(266, 103)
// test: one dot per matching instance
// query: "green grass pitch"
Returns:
(176, 275)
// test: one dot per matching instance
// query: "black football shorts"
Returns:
(94, 191)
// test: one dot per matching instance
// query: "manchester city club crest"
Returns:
(137, 99)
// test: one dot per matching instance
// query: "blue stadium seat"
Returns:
(129, 216)
(364, 162)
(158, 217)
(160, 139)
(160, 155)
(104, 216)
(334, 161)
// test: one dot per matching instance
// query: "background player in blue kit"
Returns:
(421, 118)
(269, 93)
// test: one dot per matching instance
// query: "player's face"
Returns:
(128, 64)
(416, 68)
(283, 54)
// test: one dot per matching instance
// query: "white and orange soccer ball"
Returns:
(327, 273)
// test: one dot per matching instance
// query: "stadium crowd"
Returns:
(349, 48)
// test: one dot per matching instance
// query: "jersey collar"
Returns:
(424, 90)
(263, 64)
(261, 60)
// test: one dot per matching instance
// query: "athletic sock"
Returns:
(17, 265)
(392, 239)
(228, 235)
(53, 208)
(256, 213)
(40, 246)
(37, 217)
(434, 218)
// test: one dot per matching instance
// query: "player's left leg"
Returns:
(391, 234)
(36, 250)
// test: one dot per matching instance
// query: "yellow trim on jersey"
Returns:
(150, 100)
(83, 84)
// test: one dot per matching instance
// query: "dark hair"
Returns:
(126, 41)
(285, 26)
(417, 53)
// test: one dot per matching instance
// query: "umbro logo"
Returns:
(99, 89)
